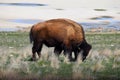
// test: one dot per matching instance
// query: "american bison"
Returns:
(62, 34)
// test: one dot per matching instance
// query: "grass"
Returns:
(103, 61)
(101, 41)
(14, 39)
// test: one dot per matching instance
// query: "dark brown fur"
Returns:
(63, 34)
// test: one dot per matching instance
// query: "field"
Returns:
(103, 62)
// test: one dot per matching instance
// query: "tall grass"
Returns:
(103, 62)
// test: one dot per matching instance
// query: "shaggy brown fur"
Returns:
(63, 34)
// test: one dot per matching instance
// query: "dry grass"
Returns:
(16, 64)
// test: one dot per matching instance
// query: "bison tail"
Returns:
(30, 35)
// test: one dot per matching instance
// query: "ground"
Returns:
(103, 61)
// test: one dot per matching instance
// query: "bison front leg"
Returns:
(68, 53)
(68, 50)
(86, 48)
(76, 53)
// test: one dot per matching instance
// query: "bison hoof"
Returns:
(33, 59)
(72, 60)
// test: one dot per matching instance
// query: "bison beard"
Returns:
(62, 34)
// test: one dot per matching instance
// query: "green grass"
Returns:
(102, 63)
(14, 39)
(101, 41)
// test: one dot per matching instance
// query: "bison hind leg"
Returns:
(39, 50)
(36, 48)
(58, 50)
